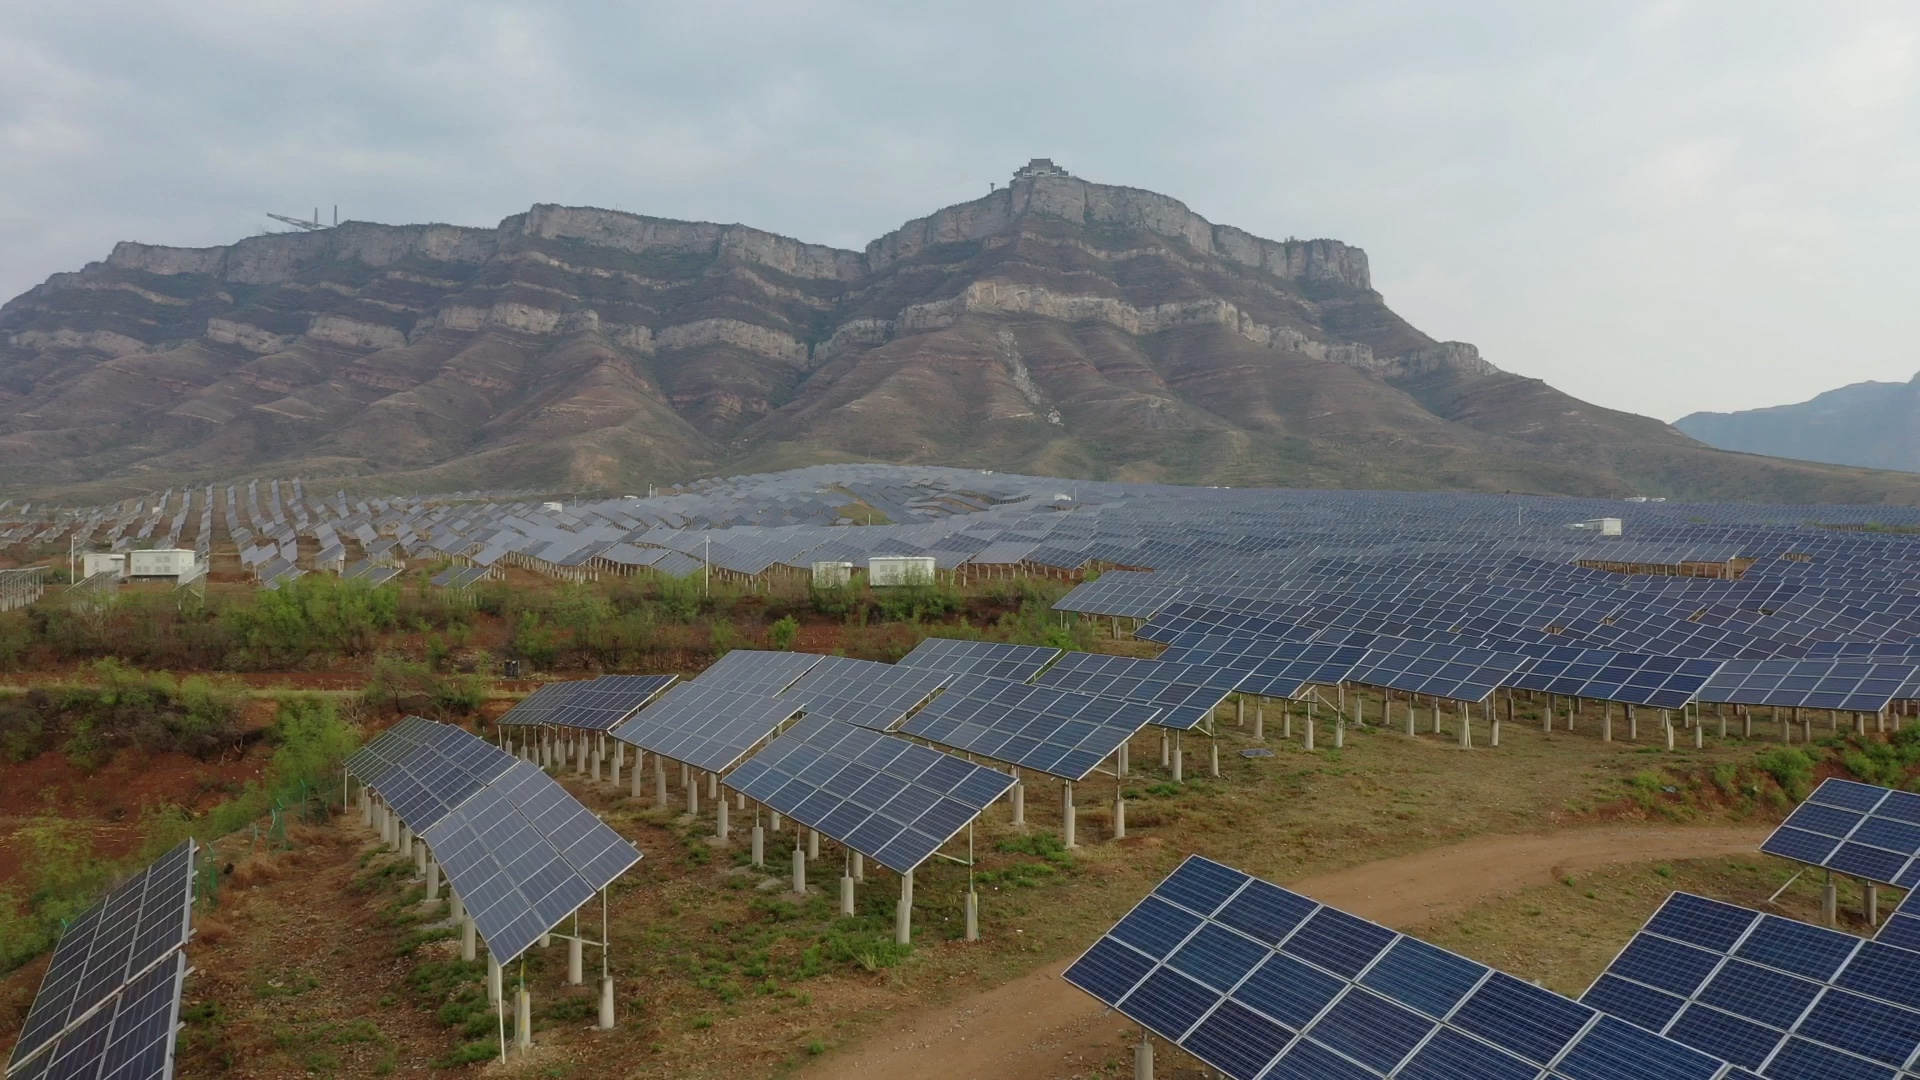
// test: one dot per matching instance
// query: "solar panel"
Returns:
(1774, 995)
(129, 1038)
(1864, 830)
(1257, 981)
(424, 770)
(756, 671)
(1057, 732)
(865, 693)
(1841, 684)
(995, 658)
(1185, 694)
(133, 928)
(600, 705)
(1902, 928)
(1659, 682)
(706, 726)
(892, 800)
(537, 707)
(1272, 667)
(1438, 669)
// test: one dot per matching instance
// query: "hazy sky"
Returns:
(1658, 206)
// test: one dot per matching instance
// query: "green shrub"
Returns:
(1790, 767)
(782, 633)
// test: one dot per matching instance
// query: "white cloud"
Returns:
(1875, 69)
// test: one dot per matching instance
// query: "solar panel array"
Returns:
(1661, 682)
(995, 658)
(1864, 830)
(1185, 694)
(865, 693)
(1057, 732)
(1260, 982)
(1776, 996)
(892, 800)
(707, 726)
(534, 709)
(1270, 667)
(523, 855)
(102, 966)
(1902, 928)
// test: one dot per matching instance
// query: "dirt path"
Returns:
(1038, 1026)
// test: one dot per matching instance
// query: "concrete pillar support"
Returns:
(799, 870)
(576, 961)
(759, 846)
(903, 912)
(606, 994)
(469, 942)
(523, 1020)
(813, 844)
(720, 821)
(1829, 905)
(1066, 815)
(973, 915)
(1119, 818)
(846, 894)
(493, 979)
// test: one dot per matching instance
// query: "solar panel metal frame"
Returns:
(890, 799)
(131, 1037)
(1257, 981)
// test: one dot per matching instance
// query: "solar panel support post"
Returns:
(1546, 714)
(759, 845)
(1017, 800)
(1870, 902)
(1633, 725)
(713, 785)
(1666, 726)
(456, 907)
(493, 977)
(799, 870)
(469, 934)
(1466, 727)
(813, 845)
(1143, 1057)
(523, 1018)
(1067, 814)
(576, 955)
(1259, 721)
(1720, 712)
(1213, 757)
(433, 879)
(1491, 713)
(903, 911)
(659, 781)
(693, 791)
(1306, 729)
(1699, 732)
(1829, 902)
(1166, 749)
(720, 831)
(1746, 721)
(613, 776)
(1177, 763)
(859, 867)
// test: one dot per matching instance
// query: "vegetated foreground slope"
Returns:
(1867, 423)
(1054, 326)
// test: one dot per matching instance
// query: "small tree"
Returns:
(781, 634)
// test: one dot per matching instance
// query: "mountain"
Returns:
(1875, 424)
(1054, 326)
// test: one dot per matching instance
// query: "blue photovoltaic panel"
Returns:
(1902, 928)
(994, 658)
(865, 693)
(1835, 683)
(1271, 667)
(596, 853)
(131, 1037)
(1185, 694)
(1262, 983)
(537, 707)
(600, 705)
(137, 925)
(1438, 669)
(1863, 830)
(1660, 682)
(1769, 994)
(424, 770)
(1056, 732)
(706, 726)
(893, 801)
(757, 671)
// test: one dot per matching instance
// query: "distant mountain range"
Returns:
(1054, 326)
(1873, 424)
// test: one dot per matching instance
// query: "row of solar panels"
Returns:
(522, 852)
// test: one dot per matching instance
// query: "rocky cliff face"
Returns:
(1873, 424)
(1055, 325)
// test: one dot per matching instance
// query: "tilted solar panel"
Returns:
(1864, 830)
(1260, 982)
(600, 705)
(756, 671)
(1274, 668)
(995, 658)
(1840, 684)
(865, 693)
(536, 707)
(1438, 669)
(1057, 732)
(1185, 694)
(706, 726)
(428, 769)
(892, 800)
(133, 928)
(1774, 995)
(130, 1038)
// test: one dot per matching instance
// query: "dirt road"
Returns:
(1039, 1027)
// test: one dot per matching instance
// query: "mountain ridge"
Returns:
(1867, 424)
(1053, 325)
